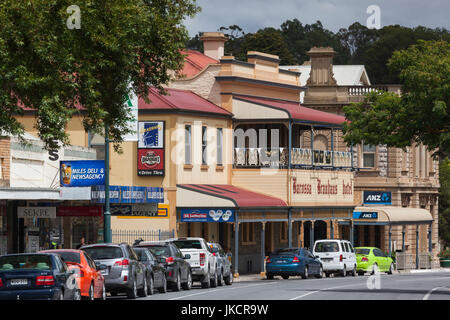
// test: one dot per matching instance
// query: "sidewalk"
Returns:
(257, 276)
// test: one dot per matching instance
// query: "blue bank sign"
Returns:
(377, 197)
(82, 173)
(365, 215)
(207, 215)
(128, 194)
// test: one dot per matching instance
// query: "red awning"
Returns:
(295, 110)
(242, 198)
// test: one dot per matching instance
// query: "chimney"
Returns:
(213, 44)
(321, 67)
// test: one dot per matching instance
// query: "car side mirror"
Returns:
(187, 256)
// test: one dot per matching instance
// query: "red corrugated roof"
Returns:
(195, 62)
(241, 197)
(180, 100)
(296, 111)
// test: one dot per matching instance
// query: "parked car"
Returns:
(337, 256)
(293, 262)
(224, 267)
(124, 272)
(36, 276)
(89, 277)
(156, 272)
(371, 259)
(203, 262)
(178, 270)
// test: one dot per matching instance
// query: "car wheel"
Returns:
(229, 279)
(269, 276)
(374, 269)
(327, 274)
(354, 273)
(320, 274)
(103, 296)
(177, 284)
(360, 273)
(151, 288)
(220, 279)
(206, 282)
(132, 292)
(214, 280)
(188, 284)
(90, 294)
(344, 272)
(144, 291)
(305, 274)
(163, 289)
(285, 276)
(391, 269)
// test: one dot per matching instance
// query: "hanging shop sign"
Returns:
(128, 194)
(36, 212)
(151, 149)
(207, 215)
(150, 162)
(79, 211)
(365, 215)
(377, 197)
(82, 173)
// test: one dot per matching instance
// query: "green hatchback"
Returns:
(373, 260)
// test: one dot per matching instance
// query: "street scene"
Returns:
(159, 151)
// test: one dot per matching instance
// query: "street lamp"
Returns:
(107, 213)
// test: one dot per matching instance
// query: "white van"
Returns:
(337, 256)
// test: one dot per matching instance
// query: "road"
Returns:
(406, 286)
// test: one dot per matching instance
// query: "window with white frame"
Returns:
(187, 144)
(219, 146)
(204, 144)
(368, 155)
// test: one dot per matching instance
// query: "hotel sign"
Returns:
(322, 188)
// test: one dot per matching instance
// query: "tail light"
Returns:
(296, 259)
(124, 263)
(45, 281)
(364, 259)
(202, 259)
(341, 258)
(169, 260)
(1, 282)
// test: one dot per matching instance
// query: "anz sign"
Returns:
(377, 197)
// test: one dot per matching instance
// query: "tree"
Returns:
(444, 201)
(421, 113)
(58, 60)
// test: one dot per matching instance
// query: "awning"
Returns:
(245, 107)
(393, 215)
(19, 193)
(223, 196)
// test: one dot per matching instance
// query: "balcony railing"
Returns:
(300, 158)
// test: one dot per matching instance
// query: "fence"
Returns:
(129, 236)
(406, 261)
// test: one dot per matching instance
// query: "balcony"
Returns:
(357, 93)
(300, 158)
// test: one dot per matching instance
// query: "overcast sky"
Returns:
(252, 15)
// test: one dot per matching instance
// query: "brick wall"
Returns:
(5, 161)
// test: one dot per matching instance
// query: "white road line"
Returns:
(422, 279)
(231, 288)
(430, 292)
(307, 294)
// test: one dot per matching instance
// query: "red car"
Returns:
(89, 278)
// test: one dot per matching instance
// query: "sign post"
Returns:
(107, 215)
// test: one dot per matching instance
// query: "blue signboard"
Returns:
(82, 173)
(128, 194)
(365, 215)
(377, 197)
(207, 215)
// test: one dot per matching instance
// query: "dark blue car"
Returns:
(36, 276)
(293, 262)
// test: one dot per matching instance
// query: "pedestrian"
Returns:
(82, 243)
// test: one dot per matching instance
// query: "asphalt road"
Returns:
(407, 286)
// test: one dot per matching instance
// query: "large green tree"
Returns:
(57, 60)
(444, 201)
(421, 113)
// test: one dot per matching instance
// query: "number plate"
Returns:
(19, 282)
(327, 259)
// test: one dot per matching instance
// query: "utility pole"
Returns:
(107, 213)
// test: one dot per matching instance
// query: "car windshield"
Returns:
(69, 256)
(326, 247)
(104, 253)
(188, 244)
(140, 253)
(362, 251)
(20, 262)
(160, 251)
